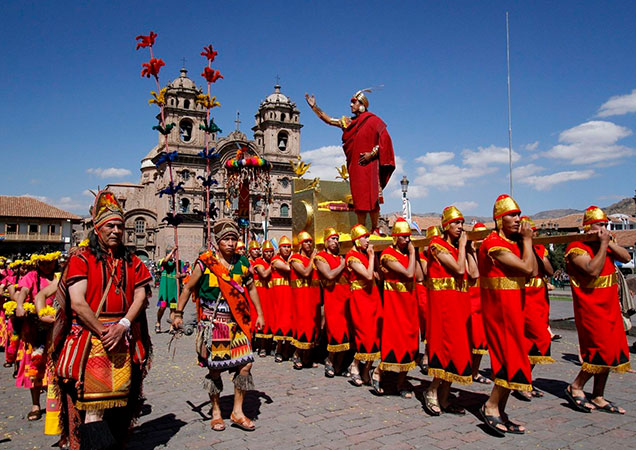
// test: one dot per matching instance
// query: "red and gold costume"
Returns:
(449, 356)
(422, 301)
(400, 321)
(597, 312)
(365, 305)
(503, 301)
(360, 135)
(476, 322)
(281, 299)
(538, 311)
(336, 294)
(262, 287)
(306, 297)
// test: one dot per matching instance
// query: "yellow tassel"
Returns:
(513, 386)
(450, 377)
(480, 351)
(264, 336)
(338, 347)
(395, 367)
(541, 359)
(367, 356)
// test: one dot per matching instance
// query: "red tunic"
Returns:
(365, 131)
(476, 323)
(449, 356)
(281, 302)
(422, 302)
(597, 315)
(128, 277)
(400, 322)
(336, 295)
(538, 316)
(366, 311)
(306, 301)
(502, 301)
(262, 287)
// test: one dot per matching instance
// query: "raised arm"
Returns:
(301, 269)
(311, 101)
(262, 272)
(526, 265)
(592, 267)
(368, 273)
(397, 267)
(40, 300)
(281, 266)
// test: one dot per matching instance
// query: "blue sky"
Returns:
(74, 104)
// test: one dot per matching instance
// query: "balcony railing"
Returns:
(33, 237)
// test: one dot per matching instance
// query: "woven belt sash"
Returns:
(259, 283)
(279, 282)
(358, 284)
(304, 283)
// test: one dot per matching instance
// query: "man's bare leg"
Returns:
(375, 218)
(362, 217)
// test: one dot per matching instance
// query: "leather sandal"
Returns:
(577, 402)
(243, 423)
(217, 425)
(34, 415)
(431, 402)
(492, 421)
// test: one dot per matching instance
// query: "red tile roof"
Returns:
(31, 207)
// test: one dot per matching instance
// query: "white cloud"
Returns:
(466, 205)
(111, 172)
(592, 142)
(546, 182)
(88, 193)
(532, 147)
(42, 198)
(488, 155)
(324, 161)
(435, 158)
(446, 176)
(618, 105)
(525, 171)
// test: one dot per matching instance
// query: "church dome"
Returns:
(183, 82)
(277, 96)
(146, 164)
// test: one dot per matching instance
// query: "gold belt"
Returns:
(602, 281)
(357, 285)
(304, 283)
(398, 286)
(445, 284)
(279, 282)
(259, 283)
(503, 283)
(536, 282)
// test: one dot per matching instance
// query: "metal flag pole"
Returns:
(509, 112)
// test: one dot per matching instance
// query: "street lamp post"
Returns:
(406, 205)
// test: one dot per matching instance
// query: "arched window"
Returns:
(185, 130)
(185, 205)
(186, 104)
(140, 226)
(282, 141)
(185, 175)
(284, 210)
(282, 117)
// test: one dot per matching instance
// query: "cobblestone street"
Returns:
(302, 409)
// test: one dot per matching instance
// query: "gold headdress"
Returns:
(401, 228)
(284, 240)
(449, 215)
(253, 244)
(593, 214)
(530, 221)
(304, 236)
(479, 227)
(358, 231)
(432, 231)
(329, 232)
(504, 205)
(106, 208)
(240, 244)
(267, 245)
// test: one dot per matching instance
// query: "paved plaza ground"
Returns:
(302, 409)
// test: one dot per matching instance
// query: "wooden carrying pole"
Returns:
(421, 241)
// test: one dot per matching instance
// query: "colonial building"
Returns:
(276, 138)
(28, 225)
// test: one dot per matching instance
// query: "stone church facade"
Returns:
(276, 138)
